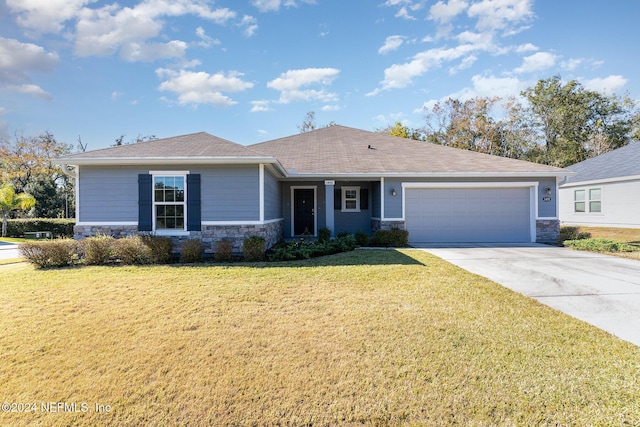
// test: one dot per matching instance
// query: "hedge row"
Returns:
(61, 228)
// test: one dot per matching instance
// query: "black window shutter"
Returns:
(337, 199)
(145, 202)
(194, 222)
(364, 199)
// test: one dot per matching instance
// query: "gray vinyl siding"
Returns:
(353, 221)
(272, 197)
(230, 192)
(547, 209)
(108, 194)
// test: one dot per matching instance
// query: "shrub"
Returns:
(394, 237)
(324, 235)
(160, 247)
(572, 233)
(97, 250)
(362, 238)
(223, 251)
(52, 253)
(59, 227)
(191, 250)
(253, 248)
(305, 250)
(132, 251)
(600, 245)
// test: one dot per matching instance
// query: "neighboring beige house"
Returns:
(605, 190)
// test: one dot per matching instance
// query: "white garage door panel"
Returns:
(468, 214)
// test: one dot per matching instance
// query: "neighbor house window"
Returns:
(350, 199)
(169, 202)
(595, 200)
(588, 200)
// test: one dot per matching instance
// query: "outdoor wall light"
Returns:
(547, 190)
(393, 192)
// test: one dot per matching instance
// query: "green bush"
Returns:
(572, 233)
(96, 250)
(394, 238)
(362, 238)
(191, 251)
(160, 247)
(304, 250)
(62, 228)
(324, 235)
(51, 253)
(253, 248)
(223, 251)
(600, 245)
(132, 251)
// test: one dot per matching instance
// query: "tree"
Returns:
(10, 201)
(308, 123)
(24, 158)
(573, 123)
(402, 131)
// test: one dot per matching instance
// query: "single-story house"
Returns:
(605, 190)
(336, 177)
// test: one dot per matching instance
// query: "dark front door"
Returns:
(303, 211)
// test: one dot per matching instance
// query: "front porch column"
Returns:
(328, 188)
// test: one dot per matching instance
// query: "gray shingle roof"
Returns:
(343, 150)
(622, 162)
(196, 145)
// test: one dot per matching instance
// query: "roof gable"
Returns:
(339, 150)
(619, 163)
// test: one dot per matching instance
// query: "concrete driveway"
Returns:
(598, 289)
(8, 250)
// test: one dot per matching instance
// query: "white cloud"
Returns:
(274, 5)
(290, 85)
(149, 52)
(482, 86)
(29, 89)
(390, 44)
(201, 87)
(45, 16)
(505, 15)
(260, 106)
(250, 25)
(536, 62)
(445, 12)
(607, 85)
(18, 60)
(401, 75)
(330, 108)
(205, 40)
(527, 47)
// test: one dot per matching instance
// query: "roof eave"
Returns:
(187, 160)
(542, 174)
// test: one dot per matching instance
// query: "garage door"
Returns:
(468, 214)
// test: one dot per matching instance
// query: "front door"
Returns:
(304, 211)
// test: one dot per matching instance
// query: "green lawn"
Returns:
(372, 337)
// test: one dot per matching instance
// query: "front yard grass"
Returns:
(372, 337)
(630, 236)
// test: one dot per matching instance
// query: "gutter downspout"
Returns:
(69, 172)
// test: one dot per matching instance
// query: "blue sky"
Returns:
(249, 71)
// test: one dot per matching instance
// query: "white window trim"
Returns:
(343, 204)
(587, 200)
(169, 231)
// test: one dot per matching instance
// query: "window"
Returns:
(593, 202)
(578, 200)
(169, 202)
(350, 199)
